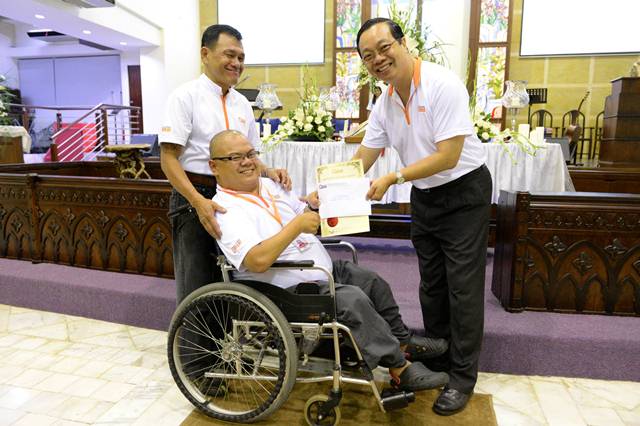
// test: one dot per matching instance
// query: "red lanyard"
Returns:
(275, 214)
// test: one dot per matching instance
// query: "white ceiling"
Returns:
(110, 26)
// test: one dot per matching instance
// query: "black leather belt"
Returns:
(203, 180)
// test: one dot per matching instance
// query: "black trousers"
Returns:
(449, 229)
(193, 263)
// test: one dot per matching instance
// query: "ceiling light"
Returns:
(123, 43)
(37, 15)
(86, 32)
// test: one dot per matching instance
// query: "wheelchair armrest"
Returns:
(330, 241)
(293, 264)
(334, 242)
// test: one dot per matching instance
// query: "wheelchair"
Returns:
(235, 348)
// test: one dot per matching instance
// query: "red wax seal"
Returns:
(332, 221)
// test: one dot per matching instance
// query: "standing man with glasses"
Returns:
(196, 112)
(265, 223)
(425, 116)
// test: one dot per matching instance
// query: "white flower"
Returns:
(309, 119)
(321, 128)
(412, 46)
(485, 135)
(318, 120)
(308, 127)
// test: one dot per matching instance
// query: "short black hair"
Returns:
(211, 35)
(394, 28)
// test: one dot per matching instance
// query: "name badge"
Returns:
(301, 244)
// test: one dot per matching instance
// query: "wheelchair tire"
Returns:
(201, 339)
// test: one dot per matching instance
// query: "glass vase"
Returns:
(514, 98)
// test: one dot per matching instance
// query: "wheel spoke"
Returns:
(204, 343)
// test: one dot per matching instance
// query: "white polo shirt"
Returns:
(249, 220)
(438, 109)
(196, 112)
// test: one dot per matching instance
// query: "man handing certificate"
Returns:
(342, 190)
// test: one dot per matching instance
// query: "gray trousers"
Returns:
(366, 305)
(449, 229)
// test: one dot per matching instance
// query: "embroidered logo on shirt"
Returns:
(236, 246)
(422, 109)
(166, 129)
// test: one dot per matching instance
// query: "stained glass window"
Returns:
(348, 22)
(347, 68)
(380, 8)
(490, 77)
(494, 20)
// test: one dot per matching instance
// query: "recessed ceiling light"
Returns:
(37, 15)
(123, 43)
(86, 32)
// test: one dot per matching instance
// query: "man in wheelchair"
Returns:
(263, 223)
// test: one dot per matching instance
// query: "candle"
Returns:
(523, 129)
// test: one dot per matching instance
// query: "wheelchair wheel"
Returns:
(312, 412)
(232, 353)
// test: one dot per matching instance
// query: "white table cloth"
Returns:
(546, 171)
(15, 132)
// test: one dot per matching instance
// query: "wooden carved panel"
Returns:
(569, 252)
(96, 222)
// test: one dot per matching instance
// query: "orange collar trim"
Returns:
(416, 75)
(416, 72)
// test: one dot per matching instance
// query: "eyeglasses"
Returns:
(236, 158)
(382, 50)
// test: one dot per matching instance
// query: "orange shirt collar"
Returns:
(416, 75)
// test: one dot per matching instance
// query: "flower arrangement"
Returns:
(418, 39)
(308, 121)
(5, 96)
(487, 131)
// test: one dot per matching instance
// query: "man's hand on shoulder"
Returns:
(279, 176)
(206, 210)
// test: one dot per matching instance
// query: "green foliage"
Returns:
(5, 97)
(420, 42)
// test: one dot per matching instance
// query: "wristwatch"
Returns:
(399, 178)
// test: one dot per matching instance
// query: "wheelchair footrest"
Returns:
(393, 400)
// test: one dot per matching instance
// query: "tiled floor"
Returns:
(64, 370)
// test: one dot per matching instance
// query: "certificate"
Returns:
(336, 181)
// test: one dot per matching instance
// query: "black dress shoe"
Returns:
(421, 348)
(450, 401)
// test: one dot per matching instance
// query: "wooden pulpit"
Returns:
(11, 149)
(620, 146)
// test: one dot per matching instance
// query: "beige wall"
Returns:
(567, 78)
(288, 78)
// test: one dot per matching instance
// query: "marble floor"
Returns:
(64, 370)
